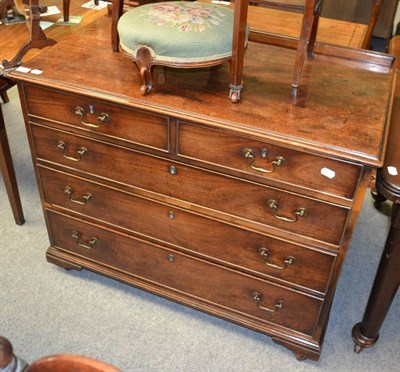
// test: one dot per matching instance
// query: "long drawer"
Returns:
(255, 203)
(268, 161)
(116, 122)
(251, 252)
(225, 288)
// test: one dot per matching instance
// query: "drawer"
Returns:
(129, 125)
(298, 168)
(248, 251)
(194, 278)
(259, 205)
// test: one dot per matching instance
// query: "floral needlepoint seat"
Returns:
(177, 34)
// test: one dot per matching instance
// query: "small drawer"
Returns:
(112, 121)
(174, 272)
(267, 161)
(254, 253)
(232, 198)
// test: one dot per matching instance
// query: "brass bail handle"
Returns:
(102, 118)
(88, 245)
(258, 298)
(85, 198)
(63, 148)
(251, 158)
(287, 261)
(300, 212)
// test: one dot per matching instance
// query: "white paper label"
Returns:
(37, 72)
(328, 173)
(23, 69)
(392, 171)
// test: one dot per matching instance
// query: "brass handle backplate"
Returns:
(251, 158)
(287, 261)
(258, 298)
(63, 148)
(85, 198)
(300, 212)
(102, 118)
(89, 245)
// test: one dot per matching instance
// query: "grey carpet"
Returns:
(47, 310)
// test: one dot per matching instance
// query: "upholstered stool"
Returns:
(176, 34)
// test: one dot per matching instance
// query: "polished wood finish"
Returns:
(191, 232)
(360, 11)
(306, 39)
(69, 362)
(252, 205)
(367, 12)
(183, 273)
(297, 167)
(151, 131)
(144, 59)
(6, 165)
(12, 37)
(285, 4)
(161, 196)
(265, 20)
(305, 47)
(4, 97)
(376, 10)
(387, 280)
(37, 38)
(277, 22)
(59, 362)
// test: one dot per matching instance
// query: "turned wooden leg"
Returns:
(4, 97)
(305, 35)
(117, 9)
(376, 9)
(314, 30)
(66, 4)
(378, 198)
(238, 49)
(387, 281)
(7, 170)
(143, 60)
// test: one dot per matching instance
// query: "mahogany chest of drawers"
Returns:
(200, 201)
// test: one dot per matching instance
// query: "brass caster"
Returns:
(357, 348)
(145, 88)
(235, 97)
(234, 93)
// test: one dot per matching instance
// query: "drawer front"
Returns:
(193, 277)
(211, 239)
(252, 202)
(298, 168)
(121, 123)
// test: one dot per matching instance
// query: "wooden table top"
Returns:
(284, 22)
(278, 22)
(272, 21)
(13, 37)
(342, 112)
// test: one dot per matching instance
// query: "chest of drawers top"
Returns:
(341, 113)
